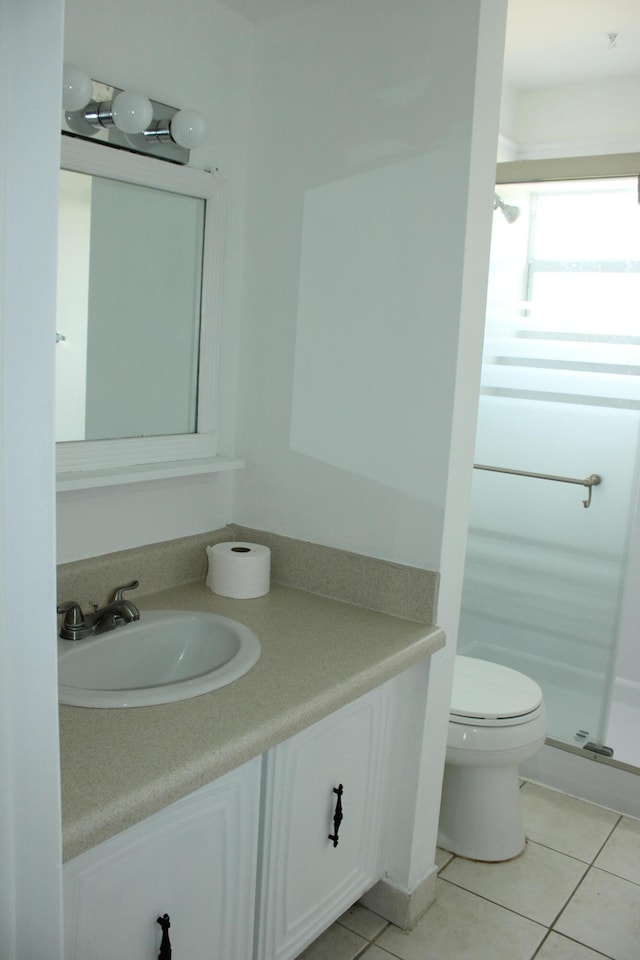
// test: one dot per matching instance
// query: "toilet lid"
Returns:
(490, 691)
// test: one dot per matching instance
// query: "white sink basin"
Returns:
(167, 655)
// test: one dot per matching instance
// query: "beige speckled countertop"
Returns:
(121, 765)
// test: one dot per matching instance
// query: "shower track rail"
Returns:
(588, 482)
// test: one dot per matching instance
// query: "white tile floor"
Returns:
(574, 894)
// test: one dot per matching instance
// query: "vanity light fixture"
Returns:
(76, 88)
(129, 112)
(126, 119)
(186, 127)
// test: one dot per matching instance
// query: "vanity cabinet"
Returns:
(203, 861)
(195, 861)
(313, 867)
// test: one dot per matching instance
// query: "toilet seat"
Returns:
(489, 694)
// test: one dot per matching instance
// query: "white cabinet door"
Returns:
(307, 879)
(194, 860)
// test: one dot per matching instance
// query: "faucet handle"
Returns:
(117, 594)
(74, 623)
(73, 613)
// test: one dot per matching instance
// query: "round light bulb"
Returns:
(131, 112)
(188, 128)
(77, 88)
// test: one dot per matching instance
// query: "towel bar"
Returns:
(588, 482)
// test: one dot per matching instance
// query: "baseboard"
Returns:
(401, 907)
(587, 776)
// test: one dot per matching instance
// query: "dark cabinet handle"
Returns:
(165, 946)
(337, 816)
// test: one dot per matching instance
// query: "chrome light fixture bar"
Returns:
(129, 120)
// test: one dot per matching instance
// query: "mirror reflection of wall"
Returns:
(129, 285)
(74, 227)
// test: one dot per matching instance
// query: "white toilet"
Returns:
(497, 720)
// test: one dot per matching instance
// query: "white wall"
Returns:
(358, 204)
(368, 239)
(508, 111)
(492, 26)
(30, 825)
(372, 130)
(573, 119)
(194, 54)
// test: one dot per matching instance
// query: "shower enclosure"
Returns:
(546, 587)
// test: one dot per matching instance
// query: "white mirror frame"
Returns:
(82, 464)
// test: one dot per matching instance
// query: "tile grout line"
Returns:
(377, 937)
(561, 853)
(590, 867)
(579, 943)
(537, 950)
(610, 873)
(369, 942)
(516, 913)
(570, 898)
(609, 835)
(373, 943)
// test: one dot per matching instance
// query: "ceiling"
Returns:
(552, 42)
(549, 42)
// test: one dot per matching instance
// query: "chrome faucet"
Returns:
(117, 612)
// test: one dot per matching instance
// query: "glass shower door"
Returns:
(560, 395)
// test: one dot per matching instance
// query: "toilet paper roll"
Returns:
(239, 570)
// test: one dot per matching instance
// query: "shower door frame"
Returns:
(596, 167)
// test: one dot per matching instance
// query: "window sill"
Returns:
(139, 473)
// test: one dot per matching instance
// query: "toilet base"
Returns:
(480, 816)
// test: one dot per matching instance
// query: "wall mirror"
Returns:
(139, 262)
